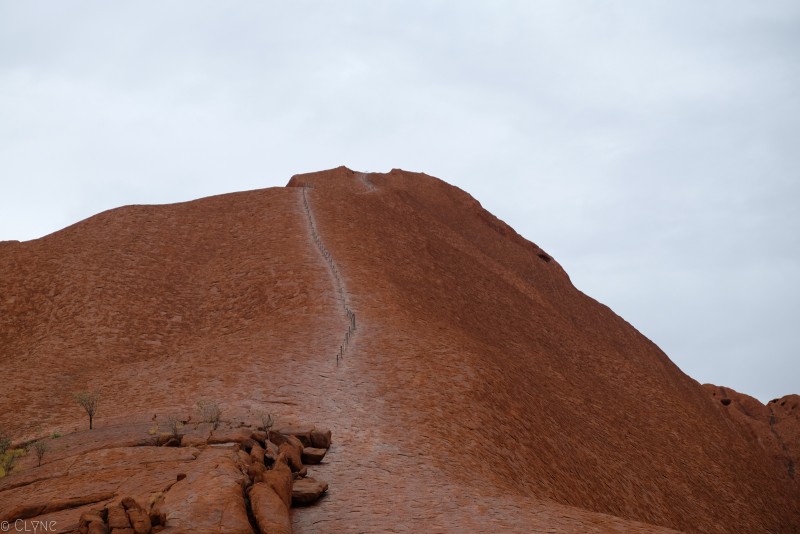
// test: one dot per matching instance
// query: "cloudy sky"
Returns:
(652, 147)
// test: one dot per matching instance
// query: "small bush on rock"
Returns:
(8, 458)
(210, 411)
(40, 448)
(88, 400)
(174, 425)
(267, 420)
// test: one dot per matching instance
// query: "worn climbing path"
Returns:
(334, 270)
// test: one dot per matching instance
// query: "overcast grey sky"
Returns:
(651, 147)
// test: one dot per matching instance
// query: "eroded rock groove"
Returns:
(349, 314)
(362, 176)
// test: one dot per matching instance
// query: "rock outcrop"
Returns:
(479, 390)
(110, 481)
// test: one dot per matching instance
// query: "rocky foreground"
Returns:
(130, 480)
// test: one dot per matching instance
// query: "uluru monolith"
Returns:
(468, 385)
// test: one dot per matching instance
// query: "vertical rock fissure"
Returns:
(326, 255)
(251, 516)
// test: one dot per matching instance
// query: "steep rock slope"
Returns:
(159, 306)
(479, 386)
(481, 340)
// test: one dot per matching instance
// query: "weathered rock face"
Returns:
(775, 428)
(474, 361)
(85, 471)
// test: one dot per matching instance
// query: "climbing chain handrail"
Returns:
(349, 313)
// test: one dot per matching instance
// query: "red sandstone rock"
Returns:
(277, 438)
(468, 335)
(229, 435)
(279, 478)
(140, 521)
(293, 453)
(269, 510)
(301, 473)
(257, 454)
(210, 498)
(97, 528)
(307, 491)
(295, 442)
(321, 438)
(36, 505)
(272, 450)
(313, 456)
(773, 427)
(117, 518)
(259, 436)
(255, 471)
(88, 517)
(301, 433)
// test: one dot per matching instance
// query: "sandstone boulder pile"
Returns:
(156, 485)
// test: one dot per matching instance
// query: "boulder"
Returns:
(129, 503)
(313, 455)
(302, 433)
(269, 510)
(321, 438)
(140, 521)
(117, 518)
(88, 517)
(295, 442)
(229, 435)
(293, 456)
(279, 479)
(272, 451)
(257, 454)
(259, 436)
(255, 471)
(210, 500)
(242, 458)
(300, 474)
(307, 490)
(277, 438)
